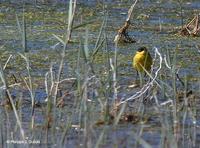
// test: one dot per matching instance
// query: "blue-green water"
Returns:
(154, 25)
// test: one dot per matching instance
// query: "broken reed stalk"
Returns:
(122, 35)
(49, 85)
(69, 32)
(131, 10)
(11, 101)
(29, 85)
(192, 28)
(71, 14)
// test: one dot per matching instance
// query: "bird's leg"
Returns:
(141, 79)
(136, 82)
(137, 74)
(145, 74)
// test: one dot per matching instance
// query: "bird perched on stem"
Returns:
(142, 60)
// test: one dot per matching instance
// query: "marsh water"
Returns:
(154, 24)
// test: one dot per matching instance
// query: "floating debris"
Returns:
(192, 28)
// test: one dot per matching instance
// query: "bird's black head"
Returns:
(142, 49)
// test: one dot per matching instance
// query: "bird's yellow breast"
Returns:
(142, 60)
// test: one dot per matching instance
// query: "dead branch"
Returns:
(122, 35)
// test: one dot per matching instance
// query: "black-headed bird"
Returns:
(142, 60)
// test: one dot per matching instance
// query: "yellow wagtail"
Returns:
(142, 60)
